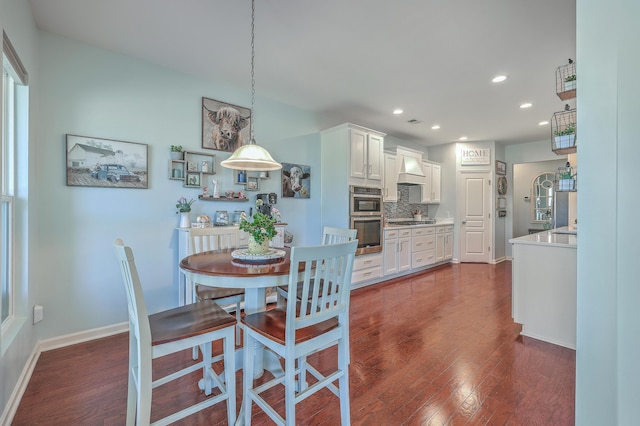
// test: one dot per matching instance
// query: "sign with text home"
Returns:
(475, 157)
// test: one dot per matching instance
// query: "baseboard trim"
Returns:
(82, 336)
(47, 345)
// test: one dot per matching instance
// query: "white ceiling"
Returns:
(355, 60)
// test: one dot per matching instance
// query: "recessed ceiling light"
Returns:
(499, 78)
(435, 127)
(397, 111)
(526, 105)
(463, 138)
(543, 123)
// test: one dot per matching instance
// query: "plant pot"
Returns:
(417, 217)
(176, 155)
(566, 185)
(185, 220)
(565, 141)
(569, 85)
(256, 247)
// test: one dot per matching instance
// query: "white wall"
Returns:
(608, 371)
(92, 92)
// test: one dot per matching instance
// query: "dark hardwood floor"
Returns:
(437, 348)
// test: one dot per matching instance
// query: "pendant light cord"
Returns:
(253, 80)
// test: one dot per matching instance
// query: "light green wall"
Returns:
(608, 332)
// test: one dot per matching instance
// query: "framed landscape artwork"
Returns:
(225, 127)
(106, 163)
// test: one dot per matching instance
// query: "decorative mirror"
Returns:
(542, 197)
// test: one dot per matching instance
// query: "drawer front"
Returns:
(367, 261)
(448, 228)
(390, 234)
(366, 274)
(404, 233)
(423, 258)
(440, 230)
(426, 242)
(418, 232)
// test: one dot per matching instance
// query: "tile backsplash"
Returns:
(402, 209)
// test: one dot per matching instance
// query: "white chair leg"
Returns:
(206, 366)
(343, 382)
(247, 372)
(230, 378)
(144, 391)
(132, 398)
(290, 390)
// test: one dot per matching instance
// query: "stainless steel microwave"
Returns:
(365, 201)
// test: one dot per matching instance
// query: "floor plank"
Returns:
(435, 348)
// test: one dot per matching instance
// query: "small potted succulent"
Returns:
(565, 138)
(176, 152)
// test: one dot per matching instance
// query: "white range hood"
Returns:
(410, 168)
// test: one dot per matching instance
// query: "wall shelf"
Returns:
(233, 200)
(194, 169)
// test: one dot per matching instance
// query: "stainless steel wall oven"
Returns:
(366, 210)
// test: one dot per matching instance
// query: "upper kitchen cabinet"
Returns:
(390, 184)
(429, 193)
(364, 152)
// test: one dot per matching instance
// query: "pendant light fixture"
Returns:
(252, 156)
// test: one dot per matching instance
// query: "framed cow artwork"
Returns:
(225, 127)
(296, 181)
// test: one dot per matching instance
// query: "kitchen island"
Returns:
(544, 285)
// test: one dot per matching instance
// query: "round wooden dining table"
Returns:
(220, 269)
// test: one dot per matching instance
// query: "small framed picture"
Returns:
(501, 167)
(192, 166)
(502, 203)
(193, 179)
(253, 184)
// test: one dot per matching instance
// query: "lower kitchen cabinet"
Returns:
(444, 243)
(423, 247)
(366, 267)
(397, 250)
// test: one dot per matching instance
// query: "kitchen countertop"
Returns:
(560, 237)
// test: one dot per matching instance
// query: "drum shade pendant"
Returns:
(252, 156)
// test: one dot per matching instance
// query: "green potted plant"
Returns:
(184, 208)
(565, 138)
(176, 152)
(569, 82)
(261, 230)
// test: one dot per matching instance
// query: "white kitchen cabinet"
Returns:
(448, 242)
(390, 184)
(444, 243)
(366, 267)
(397, 250)
(429, 193)
(365, 156)
(423, 247)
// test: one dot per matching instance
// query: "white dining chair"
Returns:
(302, 328)
(330, 235)
(167, 332)
(216, 238)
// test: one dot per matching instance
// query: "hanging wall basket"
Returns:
(566, 79)
(564, 132)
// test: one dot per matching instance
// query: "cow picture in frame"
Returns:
(106, 163)
(296, 181)
(225, 127)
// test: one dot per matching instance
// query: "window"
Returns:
(13, 127)
(542, 197)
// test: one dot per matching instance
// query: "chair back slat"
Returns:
(328, 267)
(208, 239)
(138, 317)
(333, 235)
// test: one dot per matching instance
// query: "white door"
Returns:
(474, 192)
